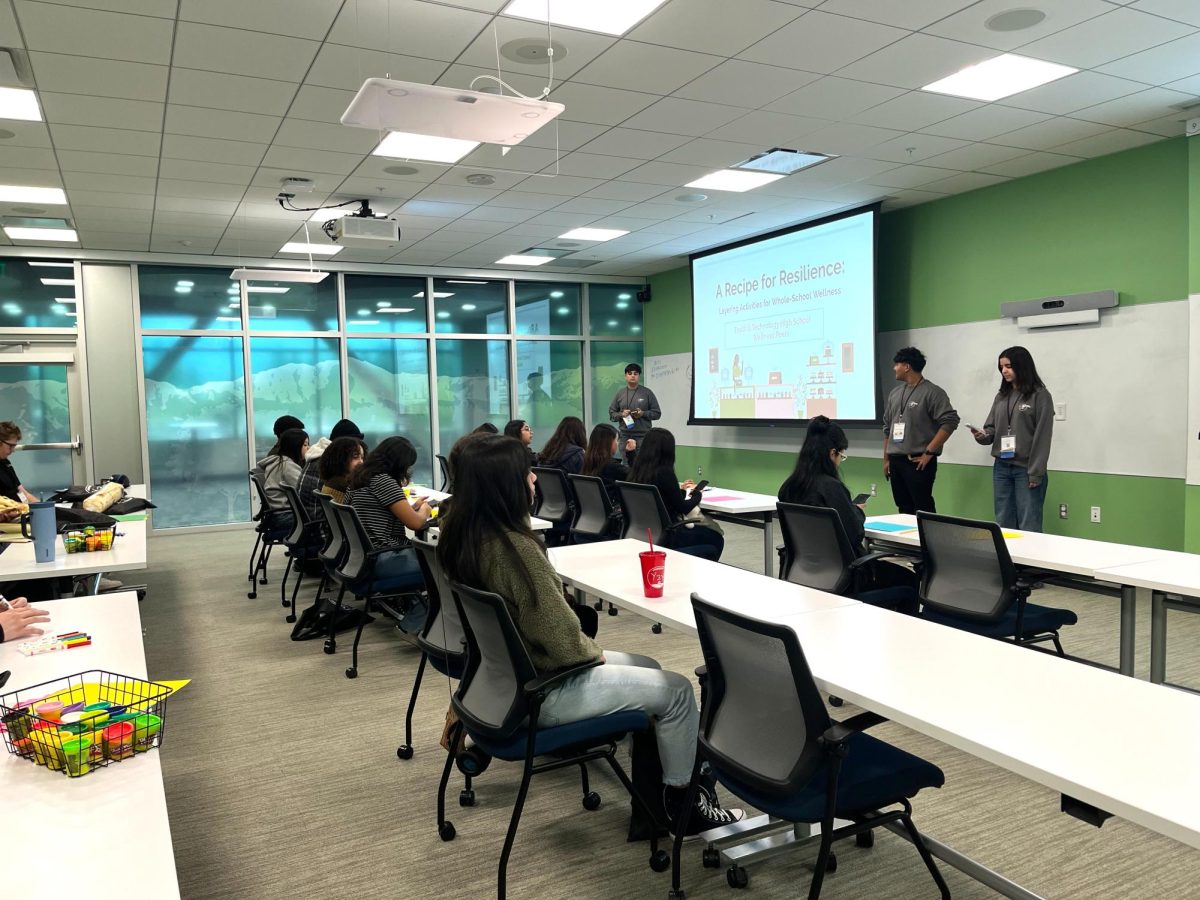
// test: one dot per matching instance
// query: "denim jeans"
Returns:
(1017, 504)
(398, 570)
(630, 682)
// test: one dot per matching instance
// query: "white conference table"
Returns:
(1078, 560)
(611, 571)
(534, 522)
(80, 828)
(1167, 573)
(745, 508)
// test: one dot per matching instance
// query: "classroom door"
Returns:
(43, 398)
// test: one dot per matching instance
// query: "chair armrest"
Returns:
(838, 734)
(868, 558)
(538, 684)
(863, 721)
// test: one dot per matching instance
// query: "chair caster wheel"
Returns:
(290, 619)
(660, 860)
(446, 831)
(466, 797)
(473, 762)
(352, 672)
(612, 610)
(330, 646)
(591, 801)
(284, 603)
(404, 751)
(598, 605)
(656, 628)
(866, 839)
(676, 895)
(831, 866)
(252, 595)
(737, 877)
(835, 701)
(712, 858)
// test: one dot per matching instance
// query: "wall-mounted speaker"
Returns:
(643, 296)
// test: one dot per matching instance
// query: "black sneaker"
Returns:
(706, 812)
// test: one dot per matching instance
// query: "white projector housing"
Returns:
(355, 231)
(385, 105)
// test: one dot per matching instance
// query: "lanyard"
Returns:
(904, 400)
(630, 396)
(1011, 407)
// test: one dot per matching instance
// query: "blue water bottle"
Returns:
(42, 522)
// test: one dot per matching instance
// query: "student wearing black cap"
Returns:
(634, 407)
(310, 476)
(282, 424)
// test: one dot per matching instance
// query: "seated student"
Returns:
(490, 547)
(599, 461)
(310, 475)
(816, 480)
(519, 429)
(486, 428)
(655, 464)
(338, 463)
(10, 483)
(282, 466)
(564, 450)
(282, 424)
(377, 495)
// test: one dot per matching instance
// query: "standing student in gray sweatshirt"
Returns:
(1019, 428)
(917, 420)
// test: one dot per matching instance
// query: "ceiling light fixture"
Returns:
(437, 295)
(395, 309)
(19, 103)
(56, 235)
(313, 249)
(66, 299)
(518, 260)
(734, 180)
(19, 193)
(53, 282)
(263, 289)
(782, 161)
(613, 17)
(405, 145)
(324, 215)
(276, 275)
(592, 234)
(999, 77)
(54, 265)
(452, 281)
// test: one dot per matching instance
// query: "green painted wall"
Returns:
(1129, 221)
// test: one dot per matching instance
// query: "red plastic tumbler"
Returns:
(654, 563)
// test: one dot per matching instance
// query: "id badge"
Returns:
(628, 420)
(897, 432)
(1008, 446)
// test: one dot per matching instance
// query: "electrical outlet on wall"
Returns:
(1096, 514)
(1062, 510)
(1060, 413)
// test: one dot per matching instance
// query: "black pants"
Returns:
(912, 489)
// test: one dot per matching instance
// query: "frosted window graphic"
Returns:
(389, 394)
(35, 397)
(298, 377)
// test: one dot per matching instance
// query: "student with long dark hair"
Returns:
(1019, 427)
(816, 480)
(519, 429)
(600, 457)
(283, 466)
(377, 495)
(655, 464)
(564, 450)
(489, 546)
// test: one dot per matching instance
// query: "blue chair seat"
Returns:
(585, 733)
(451, 667)
(1038, 620)
(889, 598)
(874, 775)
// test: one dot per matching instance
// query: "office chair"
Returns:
(805, 768)
(332, 554)
(554, 501)
(268, 531)
(969, 582)
(447, 481)
(817, 553)
(595, 519)
(497, 702)
(357, 573)
(303, 543)
(646, 516)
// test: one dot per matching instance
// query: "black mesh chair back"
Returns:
(817, 552)
(355, 564)
(443, 631)
(555, 502)
(966, 571)
(594, 506)
(447, 481)
(759, 685)
(299, 516)
(643, 509)
(260, 492)
(335, 542)
(489, 699)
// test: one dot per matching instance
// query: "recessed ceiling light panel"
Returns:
(592, 234)
(519, 260)
(735, 180)
(16, 193)
(611, 17)
(19, 103)
(781, 161)
(55, 235)
(314, 249)
(405, 145)
(999, 77)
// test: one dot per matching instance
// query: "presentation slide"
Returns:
(784, 326)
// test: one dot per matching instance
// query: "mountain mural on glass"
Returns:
(39, 407)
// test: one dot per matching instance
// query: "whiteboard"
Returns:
(1124, 380)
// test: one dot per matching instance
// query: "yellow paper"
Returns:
(1012, 534)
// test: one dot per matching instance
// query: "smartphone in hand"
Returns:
(861, 499)
(700, 487)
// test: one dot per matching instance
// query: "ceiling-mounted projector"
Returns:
(355, 231)
(385, 105)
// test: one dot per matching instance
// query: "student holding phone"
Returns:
(1018, 428)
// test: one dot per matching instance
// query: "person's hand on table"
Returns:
(20, 620)
(10, 515)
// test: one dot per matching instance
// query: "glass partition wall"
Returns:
(427, 358)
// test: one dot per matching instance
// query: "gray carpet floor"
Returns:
(282, 777)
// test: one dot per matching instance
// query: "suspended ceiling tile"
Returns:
(112, 200)
(1162, 64)
(1073, 92)
(600, 105)
(525, 200)
(975, 156)
(713, 26)
(629, 65)
(560, 185)
(913, 148)
(80, 31)
(221, 90)
(835, 98)
(413, 28)
(770, 129)
(24, 134)
(593, 205)
(28, 157)
(563, 136)
(1113, 35)
(309, 19)
(1109, 142)
(846, 138)
(911, 14)
(212, 197)
(633, 143)
(99, 77)
(591, 165)
(244, 153)
(965, 181)
(669, 174)
(1180, 10)
(917, 60)
(339, 138)
(223, 124)
(480, 57)
(711, 153)
(307, 162)
(319, 104)
(820, 42)
(1049, 134)
(194, 170)
(970, 25)
(914, 110)
(236, 52)
(1133, 109)
(105, 140)
(986, 122)
(1030, 164)
(96, 181)
(745, 84)
(80, 109)
(677, 116)
(347, 68)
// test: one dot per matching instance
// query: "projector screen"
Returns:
(783, 326)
